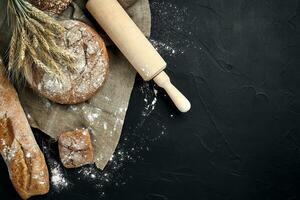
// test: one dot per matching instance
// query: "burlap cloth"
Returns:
(103, 114)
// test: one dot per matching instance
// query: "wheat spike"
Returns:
(21, 49)
(34, 40)
(12, 50)
(41, 28)
(41, 16)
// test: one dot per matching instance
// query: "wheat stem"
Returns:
(33, 29)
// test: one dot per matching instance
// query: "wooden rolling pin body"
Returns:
(135, 46)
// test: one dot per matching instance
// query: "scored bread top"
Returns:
(86, 75)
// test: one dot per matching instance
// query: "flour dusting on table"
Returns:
(57, 177)
(172, 19)
(150, 98)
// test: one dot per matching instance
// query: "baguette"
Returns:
(25, 161)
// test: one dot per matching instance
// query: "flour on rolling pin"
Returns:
(135, 47)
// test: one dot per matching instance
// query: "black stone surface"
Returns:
(238, 62)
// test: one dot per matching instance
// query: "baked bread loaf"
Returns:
(52, 6)
(25, 161)
(75, 148)
(86, 75)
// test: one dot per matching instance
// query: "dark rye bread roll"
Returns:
(52, 6)
(88, 72)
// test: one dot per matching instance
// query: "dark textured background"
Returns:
(239, 65)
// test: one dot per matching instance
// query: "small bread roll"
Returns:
(87, 74)
(75, 148)
(52, 6)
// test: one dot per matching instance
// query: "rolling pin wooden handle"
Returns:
(181, 102)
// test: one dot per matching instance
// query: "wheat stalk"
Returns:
(34, 39)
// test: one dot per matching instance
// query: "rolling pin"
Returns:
(135, 47)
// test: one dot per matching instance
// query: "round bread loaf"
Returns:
(86, 75)
(53, 6)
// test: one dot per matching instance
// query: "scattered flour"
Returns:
(173, 20)
(150, 99)
(164, 48)
(92, 114)
(58, 180)
(105, 125)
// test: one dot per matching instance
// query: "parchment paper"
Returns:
(103, 114)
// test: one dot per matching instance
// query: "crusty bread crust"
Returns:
(91, 67)
(75, 148)
(25, 161)
(53, 6)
